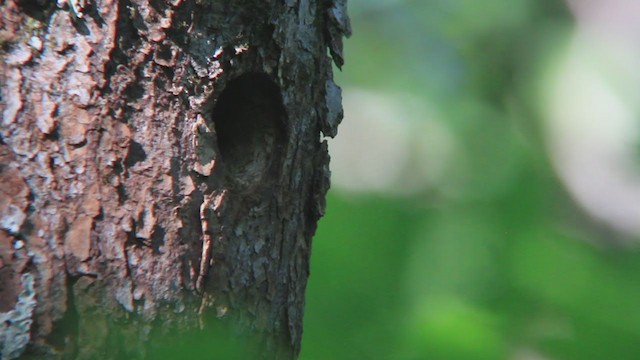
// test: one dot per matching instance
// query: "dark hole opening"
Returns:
(136, 154)
(249, 122)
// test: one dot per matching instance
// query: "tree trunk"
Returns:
(161, 170)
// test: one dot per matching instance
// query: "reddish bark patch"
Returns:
(9, 282)
(78, 239)
(13, 195)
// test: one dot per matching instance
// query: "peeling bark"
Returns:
(161, 170)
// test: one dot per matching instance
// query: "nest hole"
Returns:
(249, 121)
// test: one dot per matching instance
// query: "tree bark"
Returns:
(161, 170)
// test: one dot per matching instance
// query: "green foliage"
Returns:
(498, 263)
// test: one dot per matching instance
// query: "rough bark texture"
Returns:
(161, 161)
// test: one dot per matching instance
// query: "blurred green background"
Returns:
(454, 238)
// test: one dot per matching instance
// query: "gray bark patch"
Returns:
(15, 325)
